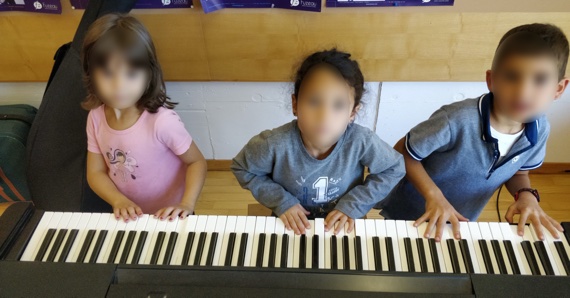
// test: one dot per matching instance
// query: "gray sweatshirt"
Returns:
(280, 173)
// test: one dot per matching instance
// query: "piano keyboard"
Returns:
(248, 241)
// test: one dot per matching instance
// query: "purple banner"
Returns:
(82, 4)
(305, 5)
(46, 6)
(360, 3)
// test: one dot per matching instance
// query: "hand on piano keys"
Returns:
(248, 241)
(528, 208)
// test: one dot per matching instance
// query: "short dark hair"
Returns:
(338, 61)
(125, 34)
(534, 39)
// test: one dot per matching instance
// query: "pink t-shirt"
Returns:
(142, 159)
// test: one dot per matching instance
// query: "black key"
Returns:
(188, 248)
(464, 246)
(377, 253)
(303, 252)
(86, 245)
(169, 248)
(127, 248)
(345, 253)
(116, 246)
(453, 256)
(242, 248)
(139, 248)
(544, 259)
(157, 247)
(45, 245)
(563, 256)
(56, 244)
(486, 256)
(272, 250)
(98, 245)
(422, 255)
(334, 259)
(531, 259)
(512, 257)
(200, 248)
(390, 254)
(230, 249)
(315, 252)
(284, 250)
(260, 250)
(68, 245)
(409, 254)
(212, 249)
(358, 248)
(499, 256)
(434, 256)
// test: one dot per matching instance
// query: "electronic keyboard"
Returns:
(214, 255)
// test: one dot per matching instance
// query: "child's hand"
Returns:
(527, 206)
(342, 219)
(181, 210)
(127, 210)
(439, 211)
(295, 218)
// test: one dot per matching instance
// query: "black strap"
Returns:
(15, 117)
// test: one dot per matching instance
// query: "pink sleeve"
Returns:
(172, 133)
(92, 144)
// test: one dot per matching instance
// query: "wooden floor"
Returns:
(222, 195)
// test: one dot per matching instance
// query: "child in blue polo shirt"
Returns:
(465, 151)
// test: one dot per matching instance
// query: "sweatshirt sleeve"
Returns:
(253, 167)
(386, 167)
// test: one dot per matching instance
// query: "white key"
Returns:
(370, 227)
(427, 249)
(259, 228)
(521, 257)
(508, 235)
(551, 240)
(210, 226)
(562, 238)
(309, 247)
(528, 237)
(291, 243)
(140, 227)
(445, 248)
(160, 227)
(279, 231)
(121, 226)
(170, 227)
(339, 248)
(320, 232)
(392, 233)
(83, 220)
(199, 228)
(250, 225)
(130, 226)
(39, 233)
(476, 236)
(62, 224)
(413, 235)
(402, 233)
(110, 228)
(150, 227)
(269, 230)
(53, 223)
(487, 235)
(72, 224)
(550, 250)
(186, 226)
(466, 234)
(351, 247)
(498, 235)
(91, 225)
(296, 248)
(360, 231)
(240, 229)
(382, 234)
(220, 226)
(101, 225)
(328, 250)
(225, 235)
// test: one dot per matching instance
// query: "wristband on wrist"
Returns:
(533, 191)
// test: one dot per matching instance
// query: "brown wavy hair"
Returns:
(116, 33)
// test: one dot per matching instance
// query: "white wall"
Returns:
(223, 116)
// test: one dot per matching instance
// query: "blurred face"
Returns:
(118, 84)
(525, 86)
(324, 107)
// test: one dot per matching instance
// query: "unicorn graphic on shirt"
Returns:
(124, 165)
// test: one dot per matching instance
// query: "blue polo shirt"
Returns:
(458, 152)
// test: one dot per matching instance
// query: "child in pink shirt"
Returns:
(140, 157)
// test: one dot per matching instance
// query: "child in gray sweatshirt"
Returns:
(314, 165)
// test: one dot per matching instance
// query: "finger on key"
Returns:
(299, 222)
(439, 228)
(430, 226)
(305, 221)
(331, 220)
(537, 226)
(421, 220)
(350, 225)
(455, 227)
(546, 221)
(293, 224)
(341, 223)
(522, 222)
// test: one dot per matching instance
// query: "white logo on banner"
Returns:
(294, 2)
(37, 5)
(165, 2)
